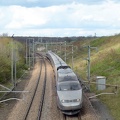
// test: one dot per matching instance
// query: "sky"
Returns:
(60, 18)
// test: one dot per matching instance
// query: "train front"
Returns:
(69, 97)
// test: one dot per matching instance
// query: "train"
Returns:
(69, 90)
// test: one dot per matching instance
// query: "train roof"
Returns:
(56, 59)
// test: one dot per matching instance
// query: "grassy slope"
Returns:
(105, 62)
(5, 59)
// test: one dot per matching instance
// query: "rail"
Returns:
(28, 110)
(43, 63)
(43, 93)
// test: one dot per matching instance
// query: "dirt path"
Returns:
(7, 107)
(14, 110)
(100, 108)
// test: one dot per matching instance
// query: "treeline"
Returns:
(52, 39)
(7, 50)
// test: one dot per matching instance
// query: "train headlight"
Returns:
(78, 100)
(63, 101)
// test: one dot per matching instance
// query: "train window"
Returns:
(75, 86)
(67, 86)
(70, 78)
(67, 78)
(65, 71)
(63, 67)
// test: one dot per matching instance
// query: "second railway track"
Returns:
(35, 106)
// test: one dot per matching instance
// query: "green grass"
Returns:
(98, 42)
(105, 62)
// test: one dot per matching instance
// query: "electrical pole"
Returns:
(26, 52)
(65, 51)
(89, 63)
(46, 47)
(72, 56)
(41, 39)
(33, 53)
(29, 53)
(88, 59)
(15, 66)
(60, 50)
(12, 61)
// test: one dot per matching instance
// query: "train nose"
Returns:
(73, 112)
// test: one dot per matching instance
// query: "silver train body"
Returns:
(69, 91)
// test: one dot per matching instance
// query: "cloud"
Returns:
(63, 20)
(23, 17)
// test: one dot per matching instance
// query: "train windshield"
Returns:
(67, 86)
(64, 71)
(67, 78)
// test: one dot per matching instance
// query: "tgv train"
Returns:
(69, 91)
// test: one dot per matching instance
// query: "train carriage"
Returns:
(69, 91)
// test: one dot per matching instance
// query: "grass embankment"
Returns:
(6, 57)
(105, 62)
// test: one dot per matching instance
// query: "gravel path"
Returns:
(7, 107)
(88, 112)
(21, 106)
(33, 114)
(101, 109)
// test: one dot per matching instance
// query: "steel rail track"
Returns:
(78, 116)
(28, 110)
(43, 93)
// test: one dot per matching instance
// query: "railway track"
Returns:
(43, 105)
(75, 117)
(43, 93)
(38, 94)
(86, 113)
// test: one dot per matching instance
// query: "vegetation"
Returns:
(6, 57)
(104, 62)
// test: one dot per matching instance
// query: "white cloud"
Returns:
(64, 20)
(23, 17)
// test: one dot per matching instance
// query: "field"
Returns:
(105, 61)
